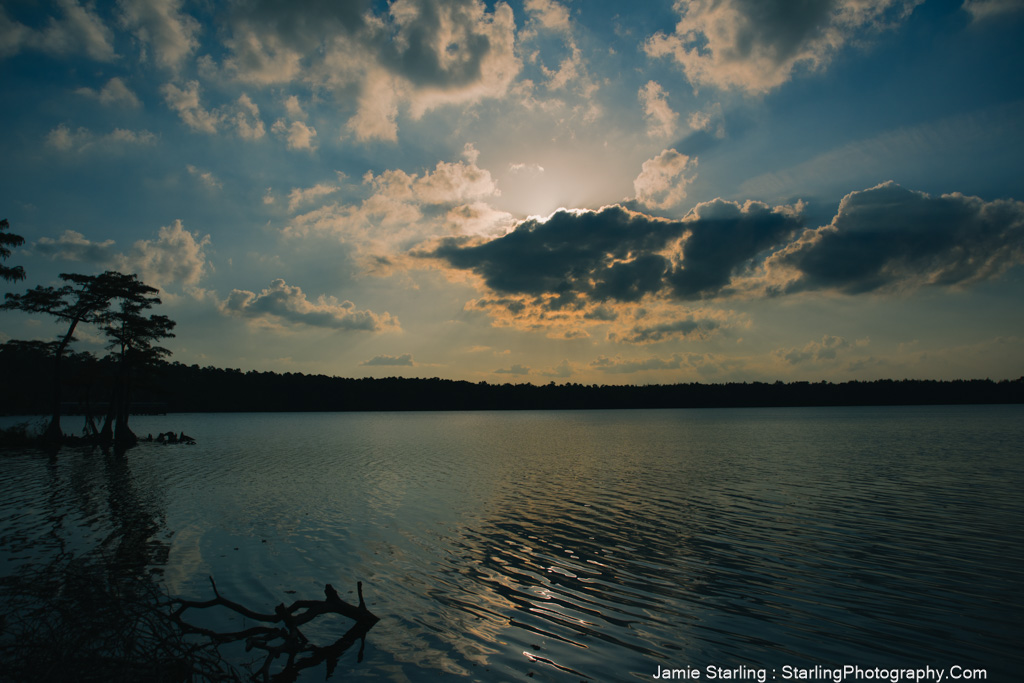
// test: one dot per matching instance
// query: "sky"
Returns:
(577, 191)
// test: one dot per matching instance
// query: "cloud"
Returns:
(710, 120)
(661, 120)
(662, 183)
(282, 302)
(889, 238)
(827, 349)
(571, 252)
(726, 239)
(185, 101)
(454, 182)
(243, 115)
(78, 31)
(207, 177)
(414, 56)
(162, 25)
(531, 169)
(686, 327)
(478, 218)
(82, 140)
(176, 255)
(517, 369)
(246, 118)
(619, 366)
(299, 196)
(549, 14)
(563, 369)
(74, 246)
(405, 359)
(757, 45)
(115, 92)
(987, 9)
(405, 207)
(615, 254)
(297, 134)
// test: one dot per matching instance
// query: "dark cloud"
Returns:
(827, 349)
(404, 359)
(725, 237)
(619, 255)
(673, 329)
(517, 369)
(617, 366)
(888, 237)
(591, 252)
(300, 21)
(417, 56)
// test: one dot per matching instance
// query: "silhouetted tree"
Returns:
(133, 339)
(7, 240)
(80, 301)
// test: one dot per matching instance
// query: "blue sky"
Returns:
(532, 191)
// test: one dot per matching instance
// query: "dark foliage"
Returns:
(74, 620)
(7, 240)
(175, 387)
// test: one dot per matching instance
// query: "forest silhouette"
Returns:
(173, 387)
(51, 378)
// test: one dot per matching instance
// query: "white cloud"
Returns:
(661, 120)
(757, 45)
(987, 9)
(299, 196)
(550, 14)
(161, 24)
(283, 302)
(207, 177)
(710, 120)
(662, 183)
(74, 246)
(185, 101)
(78, 31)
(454, 182)
(243, 115)
(246, 117)
(82, 139)
(294, 109)
(377, 109)
(176, 255)
(297, 134)
(115, 92)
(532, 169)
(478, 218)
(416, 56)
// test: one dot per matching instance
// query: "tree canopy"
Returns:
(114, 302)
(8, 240)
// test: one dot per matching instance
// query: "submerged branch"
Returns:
(280, 634)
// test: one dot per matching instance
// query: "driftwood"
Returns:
(280, 634)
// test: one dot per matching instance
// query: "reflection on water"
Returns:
(577, 545)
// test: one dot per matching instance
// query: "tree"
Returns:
(133, 339)
(81, 301)
(8, 239)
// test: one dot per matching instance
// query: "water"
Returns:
(566, 546)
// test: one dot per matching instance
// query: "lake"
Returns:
(577, 545)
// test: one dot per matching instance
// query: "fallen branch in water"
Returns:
(281, 634)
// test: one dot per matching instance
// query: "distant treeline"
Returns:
(176, 387)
